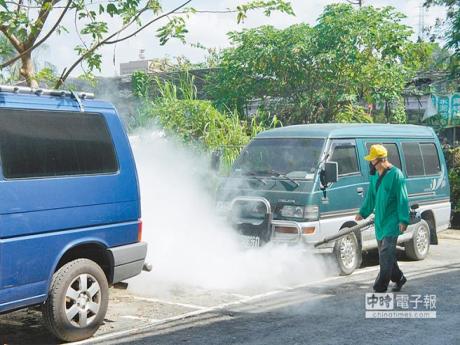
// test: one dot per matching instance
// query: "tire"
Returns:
(69, 302)
(418, 246)
(347, 254)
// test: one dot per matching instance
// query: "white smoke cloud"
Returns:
(188, 245)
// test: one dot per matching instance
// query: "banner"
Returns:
(443, 111)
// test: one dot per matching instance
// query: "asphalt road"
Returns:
(325, 314)
(327, 311)
(331, 311)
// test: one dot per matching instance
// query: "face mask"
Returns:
(372, 169)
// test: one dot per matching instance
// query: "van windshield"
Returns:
(292, 157)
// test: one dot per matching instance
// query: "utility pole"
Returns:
(356, 2)
(421, 20)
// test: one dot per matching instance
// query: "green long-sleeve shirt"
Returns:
(390, 203)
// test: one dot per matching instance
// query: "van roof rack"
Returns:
(40, 91)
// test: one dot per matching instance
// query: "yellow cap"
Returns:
(376, 152)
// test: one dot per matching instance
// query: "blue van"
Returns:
(300, 184)
(70, 219)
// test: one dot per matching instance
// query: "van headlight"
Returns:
(223, 208)
(300, 212)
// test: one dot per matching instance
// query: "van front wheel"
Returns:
(77, 300)
(347, 254)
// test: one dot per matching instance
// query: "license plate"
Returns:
(250, 241)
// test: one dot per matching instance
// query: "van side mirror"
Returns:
(215, 160)
(330, 173)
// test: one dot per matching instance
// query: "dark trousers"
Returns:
(389, 269)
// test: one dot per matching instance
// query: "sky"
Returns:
(209, 29)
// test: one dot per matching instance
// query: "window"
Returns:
(430, 159)
(345, 156)
(295, 157)
(393, 153)
(414, 161)
(37, 143)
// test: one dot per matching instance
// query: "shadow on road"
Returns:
(335, 316)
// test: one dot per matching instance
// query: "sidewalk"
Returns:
(451, 234)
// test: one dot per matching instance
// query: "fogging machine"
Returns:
(345, 231)
(414, 218)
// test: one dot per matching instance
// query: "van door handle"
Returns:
(360, 191)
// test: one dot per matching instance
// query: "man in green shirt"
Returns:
(387, 199)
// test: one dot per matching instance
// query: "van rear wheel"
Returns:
(347, 253)
(418, 246)
(77, 300)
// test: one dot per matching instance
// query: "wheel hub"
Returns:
(347, 252)
(83, 300)
(422, 240)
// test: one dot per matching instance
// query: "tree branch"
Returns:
(12, 38)
(22, 5)
(37, 26)
(23, 52)
(19, 6)
(143, 27)
(65, 74)
(146, 25)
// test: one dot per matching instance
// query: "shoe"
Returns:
(380, 291)
(399, 284)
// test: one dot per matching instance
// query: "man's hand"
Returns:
(402, 228)
(358, 217)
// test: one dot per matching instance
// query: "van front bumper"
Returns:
(128, 260)
(276, 230)
(307, 239)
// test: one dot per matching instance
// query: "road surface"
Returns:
(327, 311)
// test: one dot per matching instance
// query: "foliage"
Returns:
(195, 122)
(6, 52)
(450, 31)
(309, 74)
(353, 114)
(454, 180)
(452, 156)
(267, 64)
(140, 83)
(27, 25)
(397, 113)
(47, 75)
(268, 7)
(453, 162)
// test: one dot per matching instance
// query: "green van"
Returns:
(299, 184)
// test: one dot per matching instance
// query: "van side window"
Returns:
(414, 160)
(393, 153)
(36, 143)
(345, 156)
(430, 158)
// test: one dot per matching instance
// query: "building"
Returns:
(147, 66)
(143, 65)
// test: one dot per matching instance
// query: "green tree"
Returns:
(450, 31)
(195, 122)
(265, 64)
(11, 73)
(351, 56)
(23, 25)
